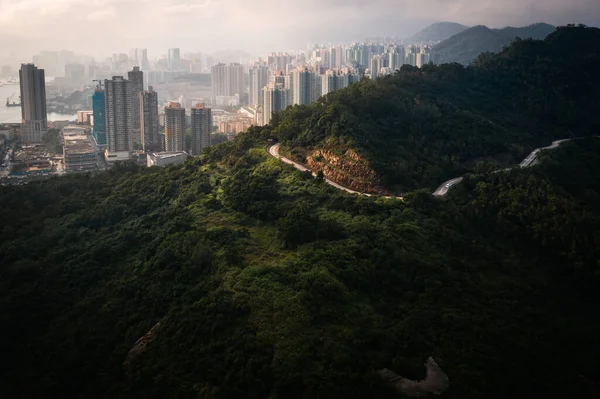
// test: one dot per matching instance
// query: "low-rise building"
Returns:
(116, 156)
(165, 158)
(85, 117)
(78, 152)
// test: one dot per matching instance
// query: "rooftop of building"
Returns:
(167, 154)
(77, 144)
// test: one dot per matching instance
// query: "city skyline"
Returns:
(29, 26)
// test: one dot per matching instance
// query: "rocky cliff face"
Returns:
(347, 169)
(140, 346)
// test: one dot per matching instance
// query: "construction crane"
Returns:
(13, 104)
(98, 84)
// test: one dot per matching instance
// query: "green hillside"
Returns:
(465, 46)
(236, 276)
(420, 127)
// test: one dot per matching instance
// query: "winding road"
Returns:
(440, 191)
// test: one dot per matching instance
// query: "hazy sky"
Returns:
(99, 27)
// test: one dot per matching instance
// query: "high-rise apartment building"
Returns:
(218, 78)
(377, 64)
(276, 98)
(201, 128)
(34, 121)
(336, 57)
(140, 57)
(424, 56)
(227, 80)
(396, 57)
(411, 55)
(258, 78)
(136, 79)
(174, 127)
(151, 138)
(174, 60)
(99, 110)
(278, 61)
(119, 114)
(335, 79)
(235, 78)
(305, 86)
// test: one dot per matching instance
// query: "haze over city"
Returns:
(101, 27)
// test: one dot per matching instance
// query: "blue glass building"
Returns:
(98, 108)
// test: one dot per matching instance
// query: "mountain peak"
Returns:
(437, 32)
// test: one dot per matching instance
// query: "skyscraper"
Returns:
(174, 127)
(174, 60)
(335, 79)
(217, 80)
(235, 79)
(151, 138)
(119, 114)
(140, 57)
(136, 79)
(201, 128)
(227, 80)
(275, 99)
(303, 84)
(258, 78)
(99, 109)
(376, 65)
(396, 58)
(34, 121)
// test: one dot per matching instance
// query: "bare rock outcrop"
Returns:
(436, 381)
(348, 169)
(140, 346)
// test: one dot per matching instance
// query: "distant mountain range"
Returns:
(436, 32)
(465, 46)
(231, 55)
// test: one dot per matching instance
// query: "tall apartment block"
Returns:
(174, 59)
(227, 80)
(119, 114)
(174, 127)
(151, 138)
(99, 110)
(136, 79)
(305, 86)
(275, 99)
(34, 121)
(201, 128)
(258, 78)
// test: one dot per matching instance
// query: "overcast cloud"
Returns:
(100, 27)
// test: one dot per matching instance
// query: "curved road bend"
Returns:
(274, 152)
(439, 192)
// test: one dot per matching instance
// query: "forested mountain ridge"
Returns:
(436, 32)
(420, 127)
(465, 46)
(247, 278)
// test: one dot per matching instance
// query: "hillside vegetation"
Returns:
(249, 279)
(236, 276)
(420, 127)
(465, 46)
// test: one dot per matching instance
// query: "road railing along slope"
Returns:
(440, 191)
(274, 152)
